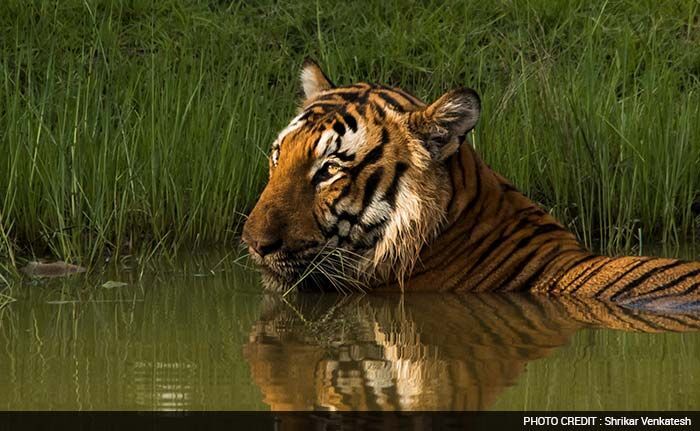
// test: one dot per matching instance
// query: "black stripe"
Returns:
(351, 96)
(640, 322)
(477, 219)
(654, 321)
(522, 243)
(517, 270)
(350, 122)
(469, 229)
(343, 192)
(549, 257)
(391, 101)
(339, 128)
(312, 149)
(379, 110)
(371, 186)
(460, 173)
(451, 256)
(346, 96)
(639, 280)
(540, 230)
(497, 313)
(670, 284)
(344, 157)
(372, 156)
(539, 324)
(305, 116)
(486, 328)
(397, 92)
(591, 275)
(385, 136)
(578, 277)
(320, 175)
(361, 109)
(411, 98)
(623, 275)
(332, 210)
(390, 194)
(507, 187)
(366, 242)
(453, 188)
(690, 289)
(349, 217)
(547, 322)
(327, 97)
(693, 323)
(532, 209)
(359, 98)
(620, 317)
(501, 200)
(327, 232)
(499, 242)
(335, 146)
(322, 106)
(523, 212)
(499, 265)
(583, 260)
(477, 193)
(568, 265)
(370, 227)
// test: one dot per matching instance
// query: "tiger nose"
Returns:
(263, 244)
(266, 246)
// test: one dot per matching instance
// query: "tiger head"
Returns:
(358, 184)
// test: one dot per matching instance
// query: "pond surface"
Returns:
(209, 339)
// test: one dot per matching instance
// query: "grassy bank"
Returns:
(140, 124)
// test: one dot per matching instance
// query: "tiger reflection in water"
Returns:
(387, 353)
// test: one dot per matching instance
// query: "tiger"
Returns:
(423, 351)
(371, 188)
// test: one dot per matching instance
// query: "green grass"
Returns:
(140, 124)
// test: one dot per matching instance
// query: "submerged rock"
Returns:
(51, 269)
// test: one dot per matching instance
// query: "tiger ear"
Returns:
(443, 125)
(313, 80)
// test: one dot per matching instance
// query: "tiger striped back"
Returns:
(371, 188)
(496, 239)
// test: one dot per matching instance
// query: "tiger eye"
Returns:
(333, 169)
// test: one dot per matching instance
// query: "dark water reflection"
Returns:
(200, 340)
(445, 352)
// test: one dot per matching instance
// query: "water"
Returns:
(211, 340)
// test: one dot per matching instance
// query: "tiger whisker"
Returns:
(330, 278)
(354, 266)
(349, 281)
(308, 270)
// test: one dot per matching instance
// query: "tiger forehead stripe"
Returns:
(340, 139)
(326, 143)
(295, 124)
